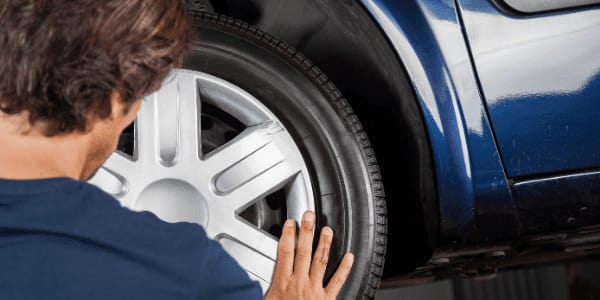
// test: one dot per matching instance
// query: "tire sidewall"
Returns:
(335, 158)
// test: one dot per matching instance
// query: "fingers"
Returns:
(340, 276)
(305, 241)
(285, 251)
(319, 262)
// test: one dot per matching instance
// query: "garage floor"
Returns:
(545, 283)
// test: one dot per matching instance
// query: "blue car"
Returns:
(477, 117)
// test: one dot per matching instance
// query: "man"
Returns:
(72, 76)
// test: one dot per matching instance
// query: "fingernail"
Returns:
(327, 231)
(350, 257)
(309, 217)
(289, 223)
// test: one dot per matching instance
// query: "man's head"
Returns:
(81, 67)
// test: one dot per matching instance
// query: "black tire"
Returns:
(345, 175)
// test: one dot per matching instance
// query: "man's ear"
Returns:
(117, 106)
(123, 114)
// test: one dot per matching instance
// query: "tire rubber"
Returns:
(346, 178)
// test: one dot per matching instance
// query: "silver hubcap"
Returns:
(170, 176)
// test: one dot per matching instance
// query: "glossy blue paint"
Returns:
(473, 190)
(540, 75)
(558, 202)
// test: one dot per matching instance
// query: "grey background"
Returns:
(542, 283)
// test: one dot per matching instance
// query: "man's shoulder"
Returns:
(173, 246)
(94, 243)
(181, 247)
(142, 224)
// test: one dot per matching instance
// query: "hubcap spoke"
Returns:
(118, 177)
(248, 142)
(117, 163)
(259, 186)
(252, 141)
(259, 267)
(252, 238)
(190, 111)
(146, 132)
(253, 165)
(110, 182)
(168, 125)
(168, 104)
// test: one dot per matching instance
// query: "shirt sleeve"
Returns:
(225, 279)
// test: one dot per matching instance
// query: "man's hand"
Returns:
(299, 277)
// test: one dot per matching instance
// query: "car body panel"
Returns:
(557, 203)
(474, 193)
(540, 75)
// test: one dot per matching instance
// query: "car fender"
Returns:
(473, 190)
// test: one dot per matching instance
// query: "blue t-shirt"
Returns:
(66, 239)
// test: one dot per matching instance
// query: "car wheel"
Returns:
(248, 133)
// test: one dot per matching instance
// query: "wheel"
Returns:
(248, 133)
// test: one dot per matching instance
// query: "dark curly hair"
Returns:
(61, 60)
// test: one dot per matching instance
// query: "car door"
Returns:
(538, 65)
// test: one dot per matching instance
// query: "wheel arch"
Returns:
(384, 57)
(475, 201)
